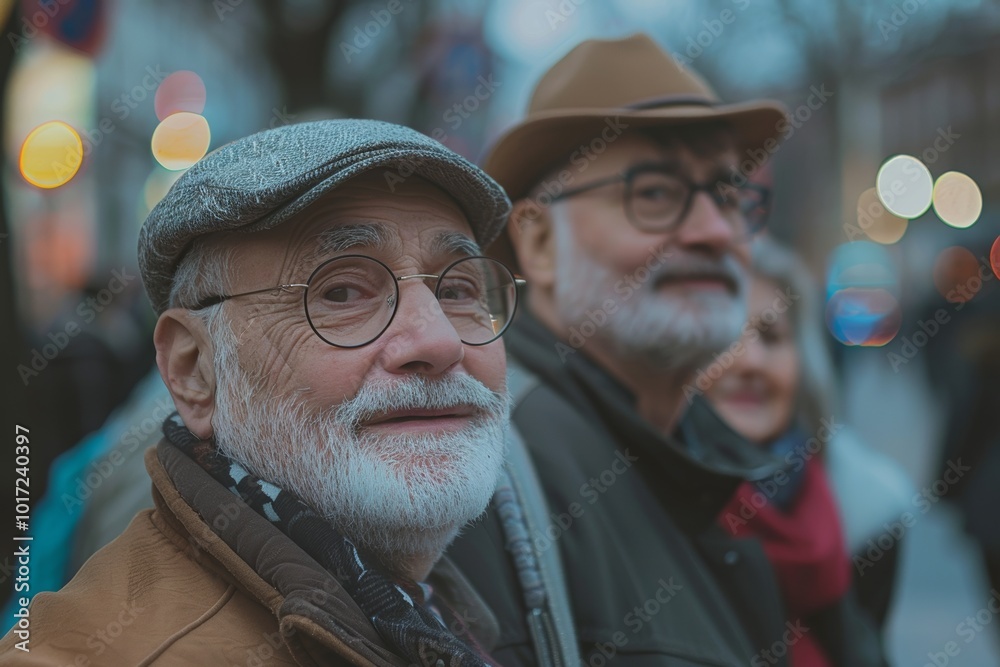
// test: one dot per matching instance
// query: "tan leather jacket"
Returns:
(202, 579)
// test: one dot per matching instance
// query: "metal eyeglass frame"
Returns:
(209, 301)
(708, 188)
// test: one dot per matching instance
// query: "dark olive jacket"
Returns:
(653, 580)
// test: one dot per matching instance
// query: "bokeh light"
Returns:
(180, 140)
(51, 82)
(51, 155)
(957, 199)
(956, 274)
(862, 304)
(905, 186)
(995, 257)
(860, 264)
(863, 317)
(181, 91)
(879, 224)
(157, 185)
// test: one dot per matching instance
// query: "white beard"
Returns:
(669, 331)
(400, 497)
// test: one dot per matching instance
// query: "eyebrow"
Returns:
(455, 243)
(346, 237)
(378, 236)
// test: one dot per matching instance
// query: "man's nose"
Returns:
(421, 338)
(705, 226)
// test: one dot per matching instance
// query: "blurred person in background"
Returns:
(331, 346)
(632, 223)
(963, 362)
(775, 386)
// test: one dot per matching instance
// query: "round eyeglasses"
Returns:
(351, 300)
(657, 199)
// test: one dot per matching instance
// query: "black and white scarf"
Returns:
(396, 607)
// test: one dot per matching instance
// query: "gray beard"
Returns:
(401, 498)
(670, 332)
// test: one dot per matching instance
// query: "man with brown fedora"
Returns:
(632, 221)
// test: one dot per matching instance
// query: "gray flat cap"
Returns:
(258, 182)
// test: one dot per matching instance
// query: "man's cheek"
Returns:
(488, 364)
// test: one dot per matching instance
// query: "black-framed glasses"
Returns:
(351, 300)
(657, 199)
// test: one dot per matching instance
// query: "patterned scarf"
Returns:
(396, 607)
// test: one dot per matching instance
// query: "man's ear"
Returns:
(184, 357)
(530, 231)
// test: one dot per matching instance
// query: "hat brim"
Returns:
(519, 158)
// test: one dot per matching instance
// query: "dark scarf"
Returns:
(396, 607)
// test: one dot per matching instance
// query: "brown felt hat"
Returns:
(630, 83)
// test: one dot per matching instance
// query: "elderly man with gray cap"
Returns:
(330, 334)
(632, 218)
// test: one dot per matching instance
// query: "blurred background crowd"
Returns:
(107, 102)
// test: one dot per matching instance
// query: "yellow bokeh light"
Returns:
(181, 140)
(51, 155)
(879, 224)
(957, 199)
(904, 185)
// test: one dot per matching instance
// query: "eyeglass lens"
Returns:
(657, 200)
(352, 300)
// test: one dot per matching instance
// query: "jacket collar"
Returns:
(316, 615)
(697, 468)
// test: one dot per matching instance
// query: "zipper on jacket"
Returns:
(544, 637)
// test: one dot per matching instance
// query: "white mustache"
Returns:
(417, 392)
(726, 269)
